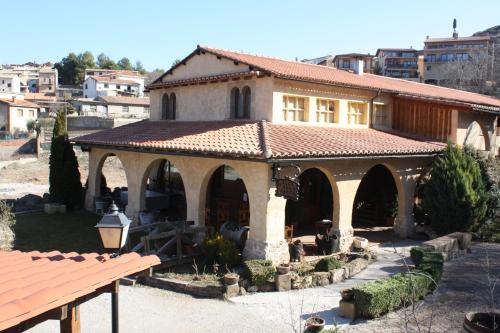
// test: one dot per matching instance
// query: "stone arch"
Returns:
(205, 197)
(159, 166)
(326, 207)
(477, 136)
(372, 201)
(100, 165)
(165, 103)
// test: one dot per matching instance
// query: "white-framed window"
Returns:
(294, 108)
(326, 110)
(357, 113)
(106, 85)
(125, 108)
(31, 113)
(118, 87)
(20, 112)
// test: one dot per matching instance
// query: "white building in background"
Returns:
(15, 114)
(113, 107)
(10, 83)
(111, 85)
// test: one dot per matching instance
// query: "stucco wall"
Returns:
(204, 65)
(482, 140)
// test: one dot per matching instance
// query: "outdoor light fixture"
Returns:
(113, 229)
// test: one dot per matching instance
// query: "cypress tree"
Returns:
(64, 177)
(455, 196)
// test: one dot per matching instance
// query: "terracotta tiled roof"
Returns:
(258, 139)
(144, 101)
(32, 283)
(19, 102)
(109, 79)
(327, 75)
(39, 97)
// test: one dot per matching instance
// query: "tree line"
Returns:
(71, 68)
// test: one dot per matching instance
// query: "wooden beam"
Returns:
(71, 324)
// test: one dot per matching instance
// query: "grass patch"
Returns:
(69, 232)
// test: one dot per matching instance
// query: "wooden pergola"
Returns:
(35, 286)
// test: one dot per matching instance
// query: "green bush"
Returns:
(417, 253)
(260, 271)
(373, 299)
(454, 198)
(222, 251)
(327, 264)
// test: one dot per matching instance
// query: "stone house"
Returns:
(279, 145)
(15, 114)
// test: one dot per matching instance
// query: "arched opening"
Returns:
(163, 194)
(247, 99)
(164, 106)
(235, 103)
(312, 214)
(111, 184)
(477, 137)
(375, 205)
(227, 199)
(172, 107)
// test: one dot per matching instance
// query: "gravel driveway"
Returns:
(144, 309)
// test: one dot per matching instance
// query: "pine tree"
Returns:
(455, 196)
(64, 177)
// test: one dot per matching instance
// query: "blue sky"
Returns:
(158, 32)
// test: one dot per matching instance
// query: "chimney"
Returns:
(359, 66)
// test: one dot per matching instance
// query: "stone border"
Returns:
(193, 288)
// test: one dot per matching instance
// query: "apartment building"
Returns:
(354, 62)
(399, 63)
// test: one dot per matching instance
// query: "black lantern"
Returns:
(113, 228)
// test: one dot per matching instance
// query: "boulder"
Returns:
(321, 278)
(232, 291)
(356, 266)
(464, 239)
(337, 275)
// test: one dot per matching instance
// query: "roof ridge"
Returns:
(264, 138)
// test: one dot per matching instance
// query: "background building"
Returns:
(15, 115)
(399, 63)
(354, 61)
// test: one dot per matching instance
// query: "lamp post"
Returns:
(113, 229)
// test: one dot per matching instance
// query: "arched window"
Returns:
(172, 106)
(247, 98)
(164, 106)
(235, 102)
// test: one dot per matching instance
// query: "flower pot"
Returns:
(315, 324)
(283, 269)
(482, 322)
(360, 242)
(347, 294)
(231, 279)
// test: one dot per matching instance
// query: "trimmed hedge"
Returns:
(260, 271)
(373, 299)
(327, 264)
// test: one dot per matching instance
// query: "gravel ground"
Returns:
(153, 310)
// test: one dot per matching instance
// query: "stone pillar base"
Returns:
(345, 237)
(277, 252)
(89, 201)
(403, 226)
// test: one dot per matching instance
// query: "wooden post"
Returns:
(71, 324)
(115, 327)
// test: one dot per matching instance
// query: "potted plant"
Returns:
(315, 324)
(231, 279)
(283, 269)
(482, 322)
(347, 294)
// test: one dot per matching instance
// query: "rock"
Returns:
(464, 239)
(243, 292)
(253, 289)
(267, 287)
(337, 275)
(446, 245)
(46, 198)
(301, 282)
(346, 272)
(51, 208)
(232, 291)
(283, 282)
(30, 200)
(356, 266)
(321, 278)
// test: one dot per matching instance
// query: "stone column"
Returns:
(342, 226)
(93, 182)
(266, 239)
(404, 222)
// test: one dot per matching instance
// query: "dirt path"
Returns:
(19, 178)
